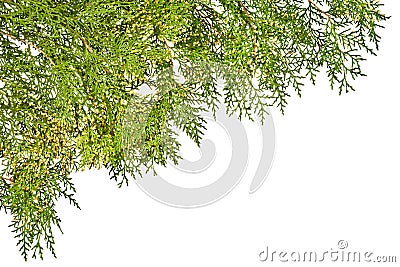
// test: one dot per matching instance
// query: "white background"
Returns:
(336, 175)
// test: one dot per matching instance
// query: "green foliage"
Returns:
(70, 73)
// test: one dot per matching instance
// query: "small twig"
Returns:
(86, 45)
(8, 179)
(317, 7)
(250, 22)
(28, 44)
(169, 49)
(90, 49)
(246, 11)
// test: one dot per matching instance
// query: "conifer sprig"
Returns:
(70, 73)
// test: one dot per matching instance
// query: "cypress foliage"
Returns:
(70, 72)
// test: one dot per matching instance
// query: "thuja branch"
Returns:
(57, 120)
